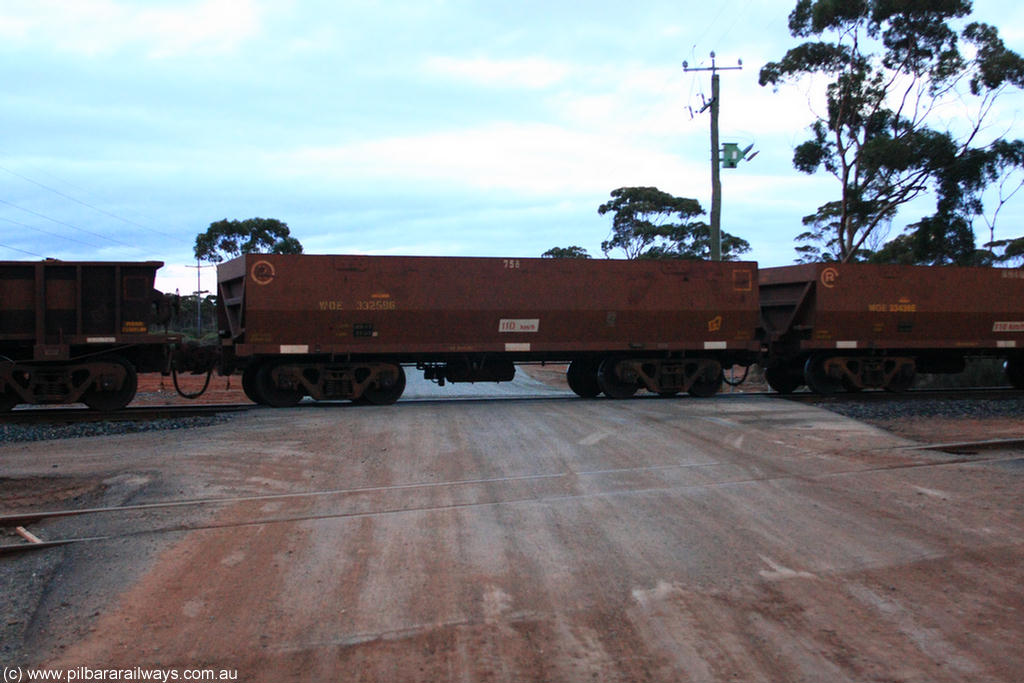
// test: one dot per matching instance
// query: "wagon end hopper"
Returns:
(77, 331)
(850, 326)
(471, 319)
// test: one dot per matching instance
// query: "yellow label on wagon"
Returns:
(901, 307)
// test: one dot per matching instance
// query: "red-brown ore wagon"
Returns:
(842, 327)
(342, 327)
(77, 331)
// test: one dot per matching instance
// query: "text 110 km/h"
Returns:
(519, 325)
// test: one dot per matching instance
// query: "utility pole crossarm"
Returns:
(199, 295)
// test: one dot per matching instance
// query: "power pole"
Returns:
(716, 182)
(199, 296)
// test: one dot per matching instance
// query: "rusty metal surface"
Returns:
(876, 306)
(53, 305)
(524, 307)
(77, 330)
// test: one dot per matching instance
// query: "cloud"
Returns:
(532, 158)
(526, 72)
(103, 27)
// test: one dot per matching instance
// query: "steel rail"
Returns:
(11, 520)
(65, 415)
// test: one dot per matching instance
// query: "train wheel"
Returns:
(783, 379)
(249, 385)
(8, 399)
(273, 395)
(707, 383)
(383, 396)
(902, 380)
(817, 377)
(107, 401)
(1015, 371)
(849, 386)
(615, 379)
(582, 378)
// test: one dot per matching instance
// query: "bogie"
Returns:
(622, 377)
(825, 374)
(282, 383)
(105, 383)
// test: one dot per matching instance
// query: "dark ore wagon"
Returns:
(839, 327)
(345, 327)
(79, 331)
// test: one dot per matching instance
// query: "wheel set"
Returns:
(823, 373)
(621, 377)
(106, 383)
(281, 383)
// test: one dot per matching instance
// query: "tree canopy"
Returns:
(251, 236)
(891, 66)
(649, 223)
(566, 252)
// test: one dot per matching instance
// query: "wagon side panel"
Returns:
(431, 305)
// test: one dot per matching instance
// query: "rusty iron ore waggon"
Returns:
(348, 327)
(79, 331)
(345, 327)
(846, 327)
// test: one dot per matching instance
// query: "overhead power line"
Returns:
(67, 225)
(95, 208)
(86, 204)
(30, 253)
(47, 232)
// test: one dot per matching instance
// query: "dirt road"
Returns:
(737, 539)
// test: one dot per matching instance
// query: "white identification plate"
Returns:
(519, 325)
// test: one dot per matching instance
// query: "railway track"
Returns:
(17, 522)
(969, 394)
(71, 415)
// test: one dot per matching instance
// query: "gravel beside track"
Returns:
(945, 408)
(937, 420)
(14, 433)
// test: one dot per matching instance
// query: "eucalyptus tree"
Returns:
(566, 252)
(649, 223)
(896, 72)
(233, 238)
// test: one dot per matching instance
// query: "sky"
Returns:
(430, 127)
